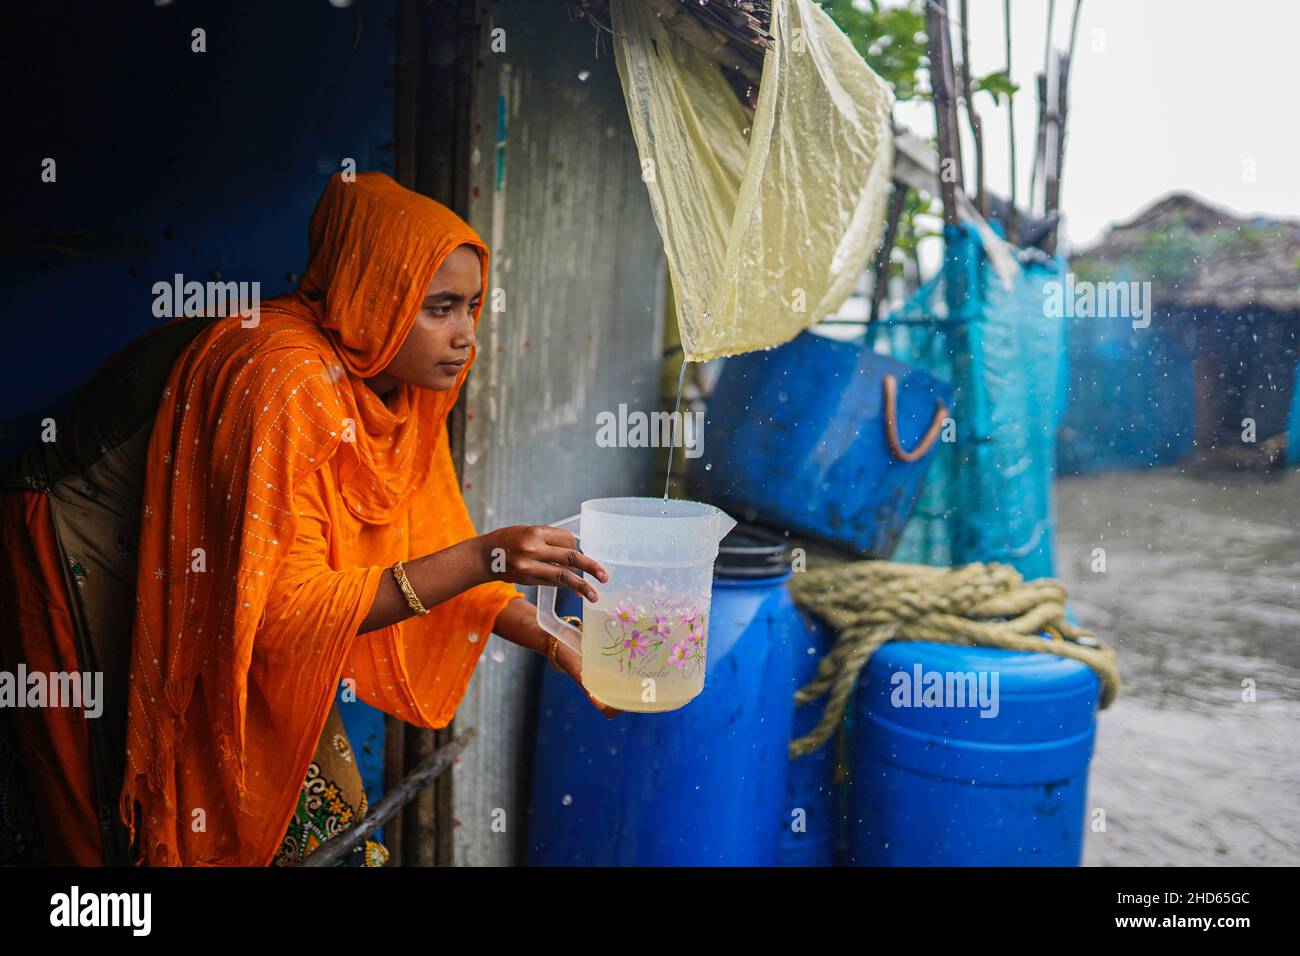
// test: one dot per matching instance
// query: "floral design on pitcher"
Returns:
(679, 656)
(625, 613)
(637, 636)
(638, 645)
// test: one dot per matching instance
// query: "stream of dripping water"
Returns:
(676, 431)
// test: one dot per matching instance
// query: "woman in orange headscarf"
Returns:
(301, 523)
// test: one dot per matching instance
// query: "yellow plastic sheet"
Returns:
(767, 220)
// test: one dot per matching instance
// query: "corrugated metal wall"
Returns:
(578, 278)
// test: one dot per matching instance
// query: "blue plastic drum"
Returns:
(810, 828)
(966, 756)
(699, 786)
(799, 437)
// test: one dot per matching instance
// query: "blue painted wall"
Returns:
(168, 160)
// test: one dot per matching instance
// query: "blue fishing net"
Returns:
(989, 494)
(1132, 394)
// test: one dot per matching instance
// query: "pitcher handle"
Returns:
(567, 634)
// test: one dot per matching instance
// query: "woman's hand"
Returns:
(517, 623)
(571, 661)
(538, 554)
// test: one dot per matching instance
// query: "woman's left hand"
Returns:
(517, 623)
(571, 663)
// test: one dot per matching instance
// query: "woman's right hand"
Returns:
(539, 554)
(571, 662)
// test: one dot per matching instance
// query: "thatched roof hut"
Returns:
(1217, 370)
(1199, 257)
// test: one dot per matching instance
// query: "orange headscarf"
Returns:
(280, 488)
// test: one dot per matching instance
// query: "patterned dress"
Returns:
(332, 799)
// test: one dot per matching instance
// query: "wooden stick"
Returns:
(1062, 111)
(935, 17)
(1047, 40)
(950, 77)
(896, 203)
(392, 801)
(1074, 25)
(1040, 145)
(1013, 215)
(972, 115)
(1052, 200)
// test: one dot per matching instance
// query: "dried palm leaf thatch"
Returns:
(1202, 257)
(734, 33)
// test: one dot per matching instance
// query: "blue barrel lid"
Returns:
(748, 551)
(1020, 672)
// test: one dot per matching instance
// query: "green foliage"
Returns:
(1092, 270)
(890, 38)
(1246, 240)
(1170, 253)
(997, 84)
(893, 42)
(910, 231)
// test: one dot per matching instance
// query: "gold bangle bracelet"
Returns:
(412, 598)
(553, 648)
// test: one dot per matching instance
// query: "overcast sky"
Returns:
(1193, 95)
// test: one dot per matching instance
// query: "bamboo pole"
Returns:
(881, 273)
(1062, 113)
(1013, 215)
(972, 115)
(1074, 25)
(1052, 199)
(935, 20)
(1037, 173)
(950, 77)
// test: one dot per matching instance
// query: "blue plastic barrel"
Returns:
(699, 786)
(797, 437)
(809, 830)
(937, 783)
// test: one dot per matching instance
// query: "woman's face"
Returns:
(440, 339)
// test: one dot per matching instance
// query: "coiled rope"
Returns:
(990, 605)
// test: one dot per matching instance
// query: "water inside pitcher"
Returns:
(644, 643)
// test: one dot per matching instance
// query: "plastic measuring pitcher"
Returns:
(644, 642)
